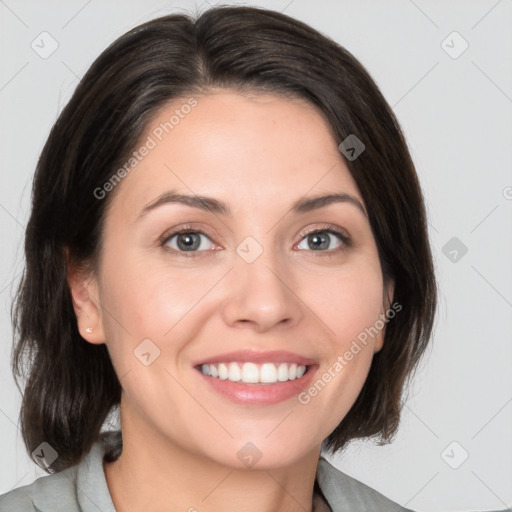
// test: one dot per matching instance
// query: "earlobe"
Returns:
(389, 291)
(379, 343)
(86, 304)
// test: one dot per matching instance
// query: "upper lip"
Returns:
(256, 356)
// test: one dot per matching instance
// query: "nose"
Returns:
(262, 295)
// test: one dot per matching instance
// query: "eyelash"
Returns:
(322, 229)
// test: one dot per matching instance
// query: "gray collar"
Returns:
(346, 494)
(87, 483)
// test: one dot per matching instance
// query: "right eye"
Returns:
(187, 242)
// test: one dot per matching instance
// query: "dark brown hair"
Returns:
(71, 384)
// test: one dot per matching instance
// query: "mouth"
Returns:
(253, 373)
(257, 378)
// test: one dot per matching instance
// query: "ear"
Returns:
(389, 290)
(86, 303)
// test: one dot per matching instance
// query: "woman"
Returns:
(228, 241)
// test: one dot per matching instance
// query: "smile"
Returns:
(252, 377)
(252, 373)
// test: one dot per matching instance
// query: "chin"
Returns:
(259, 452)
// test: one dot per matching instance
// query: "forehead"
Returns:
(234, 146)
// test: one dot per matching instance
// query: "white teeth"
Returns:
(282, 372)
(268, 373)
(252, 373)
(223, 371)
(234, 373)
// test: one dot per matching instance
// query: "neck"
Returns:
(154, 473)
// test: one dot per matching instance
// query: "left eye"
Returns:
(320, 239)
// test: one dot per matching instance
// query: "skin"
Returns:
(258, 153)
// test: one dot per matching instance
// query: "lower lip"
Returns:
(259, 394)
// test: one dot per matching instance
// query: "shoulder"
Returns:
(80, 488)
(19, 499)
(344, 493)
(61, 485)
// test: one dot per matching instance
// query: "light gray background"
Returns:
(456, 113)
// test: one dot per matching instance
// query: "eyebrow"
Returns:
(216, 206)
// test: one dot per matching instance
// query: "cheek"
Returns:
(348, 301)
(350, 306)
(146, 299)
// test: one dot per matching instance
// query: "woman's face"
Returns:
(246, 287)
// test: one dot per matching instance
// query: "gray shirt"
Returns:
(83, 488)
